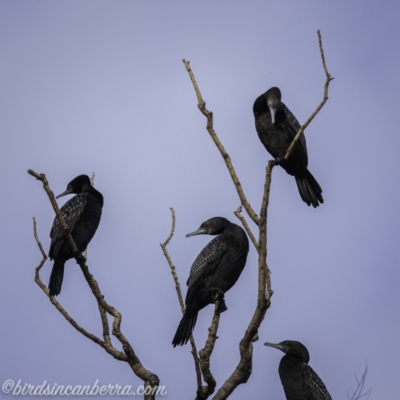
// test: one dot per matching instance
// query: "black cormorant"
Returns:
(215, 270)
(82, 214)
(276, 127)
(299, 380)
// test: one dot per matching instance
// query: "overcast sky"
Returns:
(100, 86)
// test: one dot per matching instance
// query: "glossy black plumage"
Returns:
(82, 214)
(299, 380)
(215, 270)
(276, 127)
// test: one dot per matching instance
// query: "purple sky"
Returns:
(100, 86)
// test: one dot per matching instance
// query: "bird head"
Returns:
(292, 347)
(78, 185)
(213, 226)
(273, 97)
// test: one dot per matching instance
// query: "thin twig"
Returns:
(246, 226)
(324, 100)
(64, 226)
(358, 392)
(171, 264)
(225, 156)
(180, 297)
(40, 246)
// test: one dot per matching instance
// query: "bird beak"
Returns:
(277, 346)
(200, 231)
(272, 110)
(68, 191)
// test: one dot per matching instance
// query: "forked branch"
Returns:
(202, 364)
(317, 110)
(244, 368)
(359, 393)
(129, 354)
(180, 298)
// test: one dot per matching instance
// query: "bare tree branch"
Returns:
(202, 364)
(225, 156)
(40, 248)
(244, 368)
(68, 237)
(129, 355)
(180, 298)
(358, 392)
(116, 354)
(246, 226)
(205, 355)
(317, 110)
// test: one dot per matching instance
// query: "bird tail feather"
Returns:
(309, 189)
(56, 278)
(185, 329)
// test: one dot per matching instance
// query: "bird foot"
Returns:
(80, 258)
(222, 307)
(218, 294)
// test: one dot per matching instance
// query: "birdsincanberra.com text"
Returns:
(19, 388)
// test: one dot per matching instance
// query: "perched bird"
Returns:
(276, 127)
(215, 270)
(82, 214)
(299, 380)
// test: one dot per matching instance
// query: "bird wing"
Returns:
(292, 126)
(314, 384)
(205, 263)
(71, 212)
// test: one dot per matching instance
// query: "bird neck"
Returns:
(289, 361)
(293, 359)
(96, 195)
(236, 235)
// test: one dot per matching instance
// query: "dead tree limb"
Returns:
(244, 368)
(239, 215)
(129, 355)
(180, 298)
(209, 115)
(317, 110)
(202, 364)
(205, 355)
(359, 393)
